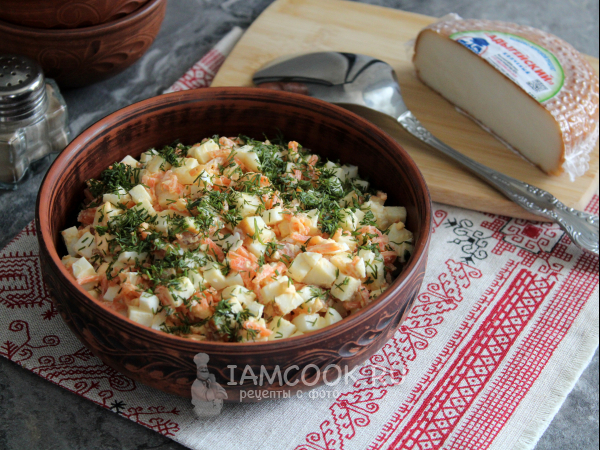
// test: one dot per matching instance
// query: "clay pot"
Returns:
(165, 361)
(65, 14)
(82, 56)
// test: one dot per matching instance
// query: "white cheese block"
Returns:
(286, 303)
(332, 316)
(140, 316)
(344, 287)
(322, 274)
(86, 245)
(82, 268)
(309, 322)
(148, 302)
(302, 264)
(204, 152)
(277, 287)
(184, 176)
(249, 159)
(529, 88)
(71, 236)
(281, 328)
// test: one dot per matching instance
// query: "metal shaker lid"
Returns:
(22, 89)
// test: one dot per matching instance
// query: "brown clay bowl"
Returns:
(86, 55)
(65, 14)
(165, 361)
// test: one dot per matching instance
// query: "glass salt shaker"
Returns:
(33, 118)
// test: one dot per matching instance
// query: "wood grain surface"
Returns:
(299, 26)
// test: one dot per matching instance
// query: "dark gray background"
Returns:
(35, 414)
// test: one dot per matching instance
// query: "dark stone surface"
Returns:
(35, 414)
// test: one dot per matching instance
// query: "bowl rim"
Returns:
(147, 9)
(53, 175)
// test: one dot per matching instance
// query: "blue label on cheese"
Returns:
(530, 66)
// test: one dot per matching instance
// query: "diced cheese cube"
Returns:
(367, 255)
(378, 212)
(399, 235)
(302, 264)
(130, 161)
(234, 279)
(245, 296)
(340, 260)
(82, 268)
(111, 293)
(159, 320)
(313, 215)
(255, 308)
(132, 258)
(117, 197)
(249, 159)
(148, 155)
(185, 173)
(149, 302)
(284, 229)
(140, 316)
(71, 236)
(156, 164)
(348, 240)
(375, 272)
(104, 213)
(352, 219)
(204, 152)
(286, 303)
(216, 279)
(257, 249)
(331, 317)
(281, 328)
(179, 290)
(348, 200)
(309, 322)
(247, 204)
(350, 171)
(93, 292)
(130, 277)
(197, 280)
(139, 194)
(162, 222)
(277, 287)
(312, 301)
(323, 274)
(214, 276)
(395, 213)
(273, 216)
(344, 287)
(236, 306)
(337, 170)
(364, 185)
(255, 228)
(86, 245)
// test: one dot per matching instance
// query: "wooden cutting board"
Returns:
(298, 26)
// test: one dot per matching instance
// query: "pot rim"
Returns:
(165, 101)
(145, 11)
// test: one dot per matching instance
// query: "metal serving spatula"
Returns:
(347, 78)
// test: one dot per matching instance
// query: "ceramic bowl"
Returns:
(65, 14)
(165, 361)
(83, 56)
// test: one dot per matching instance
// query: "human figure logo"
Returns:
(207, 394)
(475, 44)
